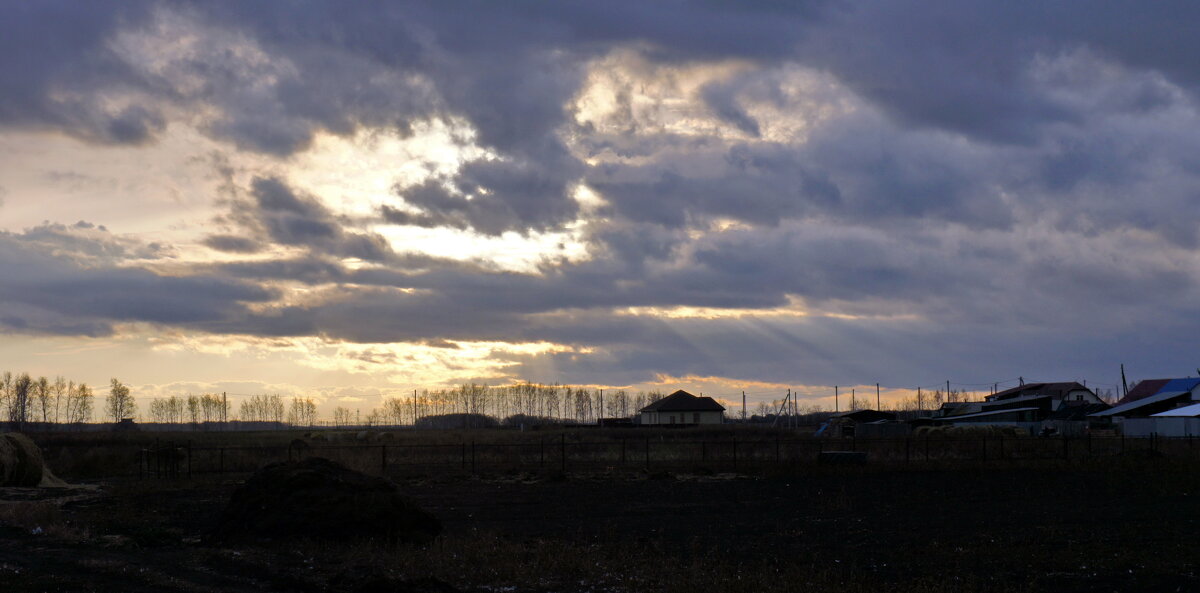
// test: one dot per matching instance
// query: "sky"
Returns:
(350, 201)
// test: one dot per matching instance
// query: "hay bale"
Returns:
(49, 480)
(319, 499)
(8, 461)
(27, 461)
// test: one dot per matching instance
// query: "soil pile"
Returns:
(20, 461)
(320, 499)
(372, 579)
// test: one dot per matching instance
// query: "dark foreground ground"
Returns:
(1124, 525)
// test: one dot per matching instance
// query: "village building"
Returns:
(863, 424)
(1061, 408)
(1163, 407)
(682, 407)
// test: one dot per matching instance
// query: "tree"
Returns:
(120, 403)
(60, 398)
(303, 412)
(79, 403)
(193, 408)
(42, 399)
(341, 416)
(18, 400)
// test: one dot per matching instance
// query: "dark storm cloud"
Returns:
(288, 218)
(232, 244)
(1014, 182)
(53, 60)
(62, 281)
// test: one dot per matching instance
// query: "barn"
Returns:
(682, 407)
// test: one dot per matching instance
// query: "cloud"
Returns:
(232, 244)
(70, 281)
(913, 187)
(283, 216)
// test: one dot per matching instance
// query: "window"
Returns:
(672, 419)
(696, 418)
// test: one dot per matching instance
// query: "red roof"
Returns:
(1144, 388)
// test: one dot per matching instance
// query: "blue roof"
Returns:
(1187, 384)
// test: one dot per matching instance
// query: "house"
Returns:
(1061, 407)
(1148, 387)
(1060, 392)
(682, 407)
(1166, 407)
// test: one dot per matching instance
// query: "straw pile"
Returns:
(20, 461)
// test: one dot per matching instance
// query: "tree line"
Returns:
(530, 400)
(24, 399)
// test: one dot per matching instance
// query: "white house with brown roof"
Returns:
(682, 407)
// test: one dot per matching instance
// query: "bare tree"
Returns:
(18, 401)
(59, 390)
(41, 398)
(120, 403)
(79, 403)
(193, 408)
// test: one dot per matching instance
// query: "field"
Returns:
(1118, 522)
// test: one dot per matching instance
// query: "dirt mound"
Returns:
(372, 579)
(20, 461)
(320, 499)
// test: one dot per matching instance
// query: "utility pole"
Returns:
(602, 407)
(878, 406)
(224, 408)
(919, 409)
(743, 406)
(1124, 383)
(835, 399)
(947, 389)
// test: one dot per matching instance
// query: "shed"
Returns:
(682, 407)
(845, 424)
(1183, 421)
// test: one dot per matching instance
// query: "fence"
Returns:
(559, 453)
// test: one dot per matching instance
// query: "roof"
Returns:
(1187, 384)
(1189, 411)
(1144, 388)
(1124, 408)
(1150, 387)
(682, 401)
(1054, 389)
(989, 413)
(866, 415)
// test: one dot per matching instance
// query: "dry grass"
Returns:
(40, 518)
